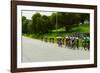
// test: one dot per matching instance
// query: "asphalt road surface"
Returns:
(34, 50)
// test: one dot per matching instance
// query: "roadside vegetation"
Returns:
(57, 24)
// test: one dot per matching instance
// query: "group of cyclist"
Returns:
(73, 41)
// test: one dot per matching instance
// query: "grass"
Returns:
(59, 30)
(81, 28)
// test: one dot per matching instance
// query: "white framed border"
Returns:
(53, 63)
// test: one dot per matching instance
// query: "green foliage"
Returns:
(30, 26)
(57, 24)
(81, 28)
(84, 17)
(35, 22)
(52, 20)
(23, 18)
(24, 24)
(72, 20)
(39, 23)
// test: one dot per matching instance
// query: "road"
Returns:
(34, 50)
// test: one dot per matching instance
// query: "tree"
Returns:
(42, 23)
(34, 26)
(60, 19)
(53, 20)
(45, 23)
(84, 17)
(24, 24)
(30, 26)
(70, 20)
(39, 23)
(23, 18)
